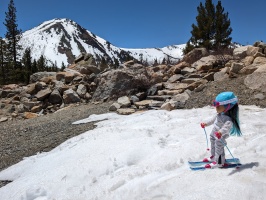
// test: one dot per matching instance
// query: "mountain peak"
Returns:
(62, 40)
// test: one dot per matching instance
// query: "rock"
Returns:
(48, 79)
(180, 100)
(248, 69)
(10, 87)
(36, 109)
(114, 107)
(70, 96)
(40, 86)
(31, 89)
(124, 101)
(43, 94)
(176, 69)
(236, 67)
(240, 52)
(120, 82)
(175, 86)
(156, 103)
(195, 55)
(159, 98)
(141, 95)
(55, 97)
(170, 92)
(247, 60)
(30, 115)
(205, 63)
(144, 103)
(220, 76)
(190, 80)
(30, 104)
(256, 81)
(195, 84)
(3, 119)
(259, 96)
(261, 68)
(168, 106)
(125, 111)
(134, 99)
(39, 75)
(252, 51)
(187, 70)
(82, 90)
(152, 90)
(259, 61)
(209, 76)
(88, 96)
(175, 78)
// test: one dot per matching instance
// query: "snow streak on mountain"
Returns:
(62, 40)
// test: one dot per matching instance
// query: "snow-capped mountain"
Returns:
(62, 40)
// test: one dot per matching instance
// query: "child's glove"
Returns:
(202, 125)
(218, 135)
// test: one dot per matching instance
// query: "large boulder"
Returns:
(70, 96)
(55, 97)
(40, 75)
(240, 52)
(121, 82)
(205, 63)
(257, 80)
(195, 55)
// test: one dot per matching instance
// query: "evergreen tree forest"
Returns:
(16, 68)
(212, 30)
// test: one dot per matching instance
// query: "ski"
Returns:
(199, 163)
(226, 167)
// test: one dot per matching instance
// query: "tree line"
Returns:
(16, 68)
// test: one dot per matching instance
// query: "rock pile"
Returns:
(134, 86)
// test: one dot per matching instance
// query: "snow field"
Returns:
(143, 156)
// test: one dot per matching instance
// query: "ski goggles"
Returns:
(215, 103)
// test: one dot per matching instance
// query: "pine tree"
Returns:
(27, 64)
(34, 66)
(203, 32)
(223, 30)
(212, 29)
(41, 64)
(12, 35)
(63, 67)
(155, 62)
(3, 70)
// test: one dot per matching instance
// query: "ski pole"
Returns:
(206, 139)
(229, 151)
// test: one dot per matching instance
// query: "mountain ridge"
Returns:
(61, 40)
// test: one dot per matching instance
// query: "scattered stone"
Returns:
(3, 119)
(114, 107)
(30, 115)
(259, 96)
(124, 101)
(125, 111)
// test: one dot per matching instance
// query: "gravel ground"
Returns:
(24, 138)
(236, 85)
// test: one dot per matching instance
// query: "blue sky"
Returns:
(140, 23)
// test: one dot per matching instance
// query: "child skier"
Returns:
(225, 122)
